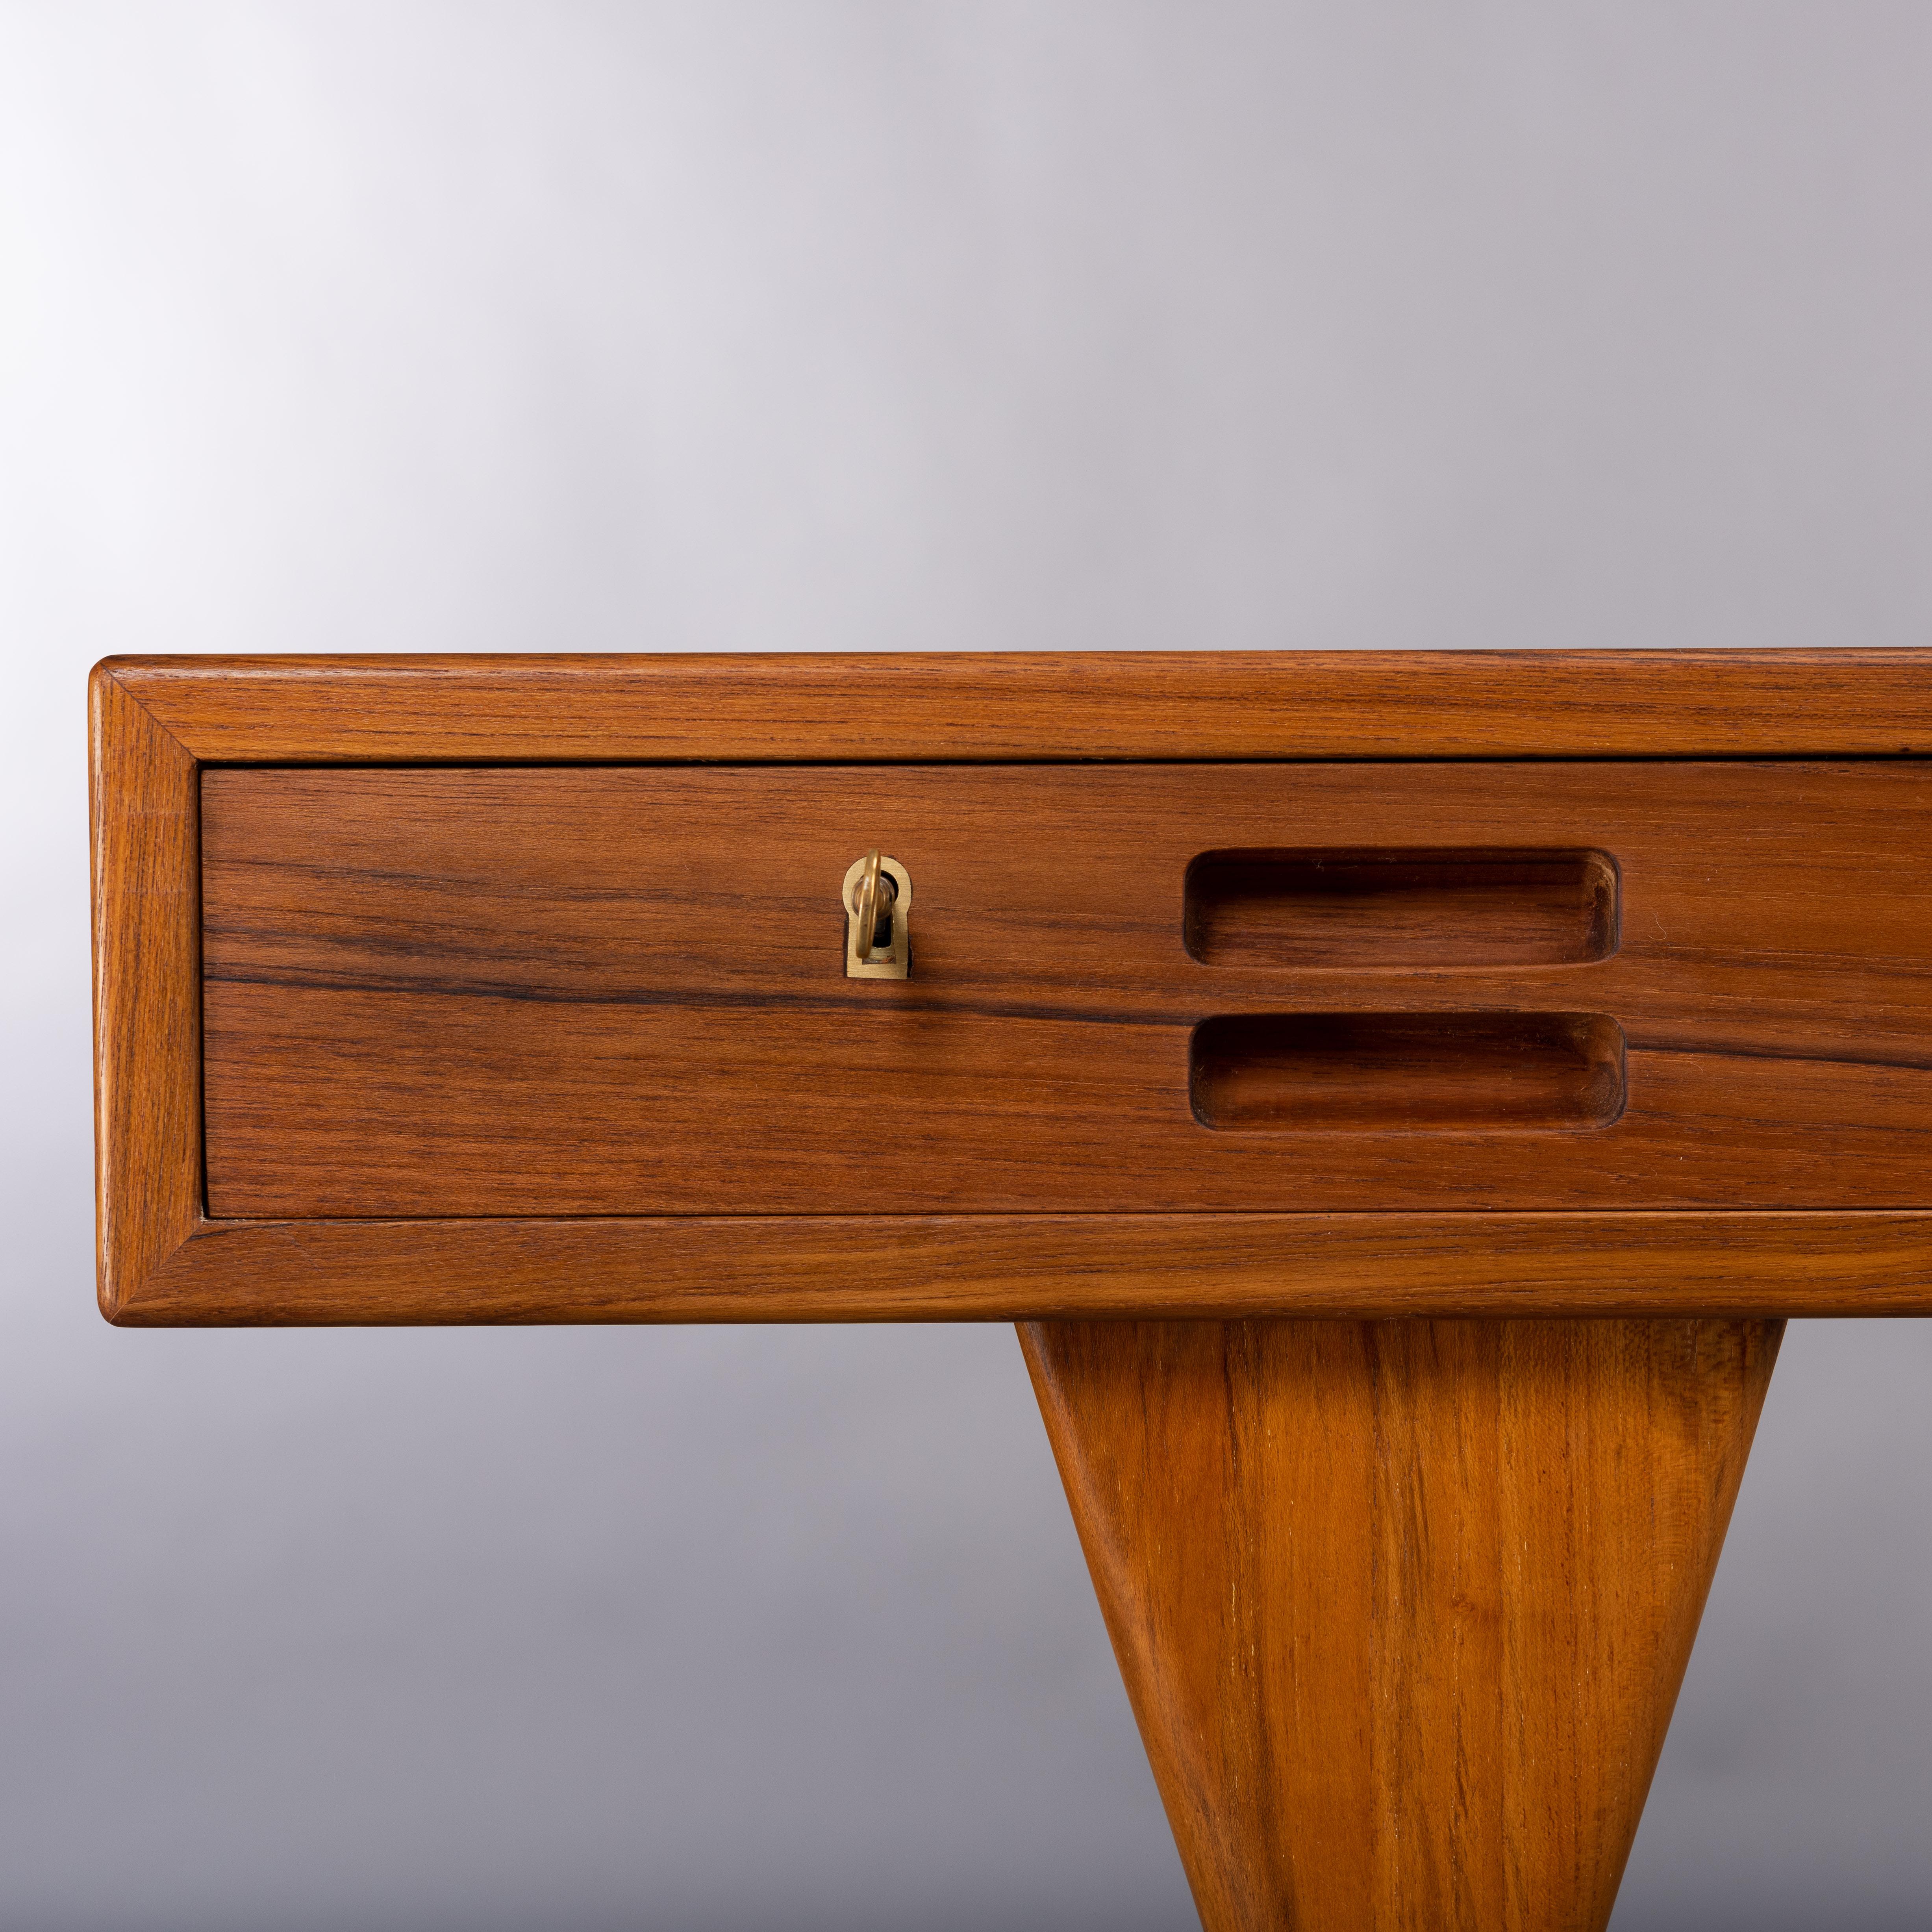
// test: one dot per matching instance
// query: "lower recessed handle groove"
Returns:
(1406, 1072)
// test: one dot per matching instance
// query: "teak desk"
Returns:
(1399, 1097)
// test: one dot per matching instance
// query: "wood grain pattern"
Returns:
(1402, 1608)
(147, 1033)
(156, 722)
(994, 705)
(556, 990)
(975, 1267)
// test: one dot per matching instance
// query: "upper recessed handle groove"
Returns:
(1353, 908)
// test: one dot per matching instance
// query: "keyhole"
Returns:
(882, 925)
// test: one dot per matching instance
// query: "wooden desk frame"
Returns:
(155, 723)
(1403, 1606)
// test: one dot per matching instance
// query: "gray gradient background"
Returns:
(427, 328)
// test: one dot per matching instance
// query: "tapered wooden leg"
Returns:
(1402, 1606)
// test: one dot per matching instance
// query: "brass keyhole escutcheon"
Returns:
(877, 897)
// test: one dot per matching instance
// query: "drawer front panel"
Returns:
(620, 990)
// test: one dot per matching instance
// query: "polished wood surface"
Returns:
(621, 990)
(900, 706)
(158, 723)
(147, 1008)
(1402, 1608)
(975, 1267)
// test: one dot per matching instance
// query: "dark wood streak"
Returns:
(690, 1000)
(1718, 1049)
(1179, 1016)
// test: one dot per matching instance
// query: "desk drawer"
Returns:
(620, 990)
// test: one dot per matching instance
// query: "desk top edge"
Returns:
(913, 706)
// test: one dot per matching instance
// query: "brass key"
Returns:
(878, 893)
